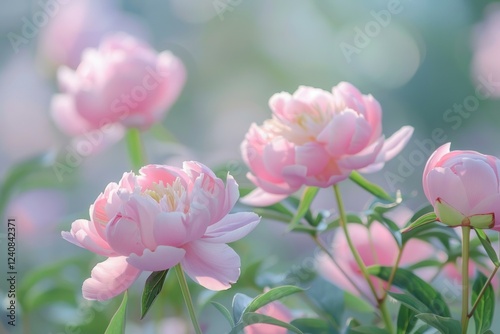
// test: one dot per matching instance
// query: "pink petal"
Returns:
(124, 236)
(277, 155)
(478, 179)
(232, 227)
(276, 188)
(84, 234)
(394, 144)
(259, 197)
(159, 173)
(443, 183)
(373, 116)
(66, 116)
(109, 279)
(362, 159)
(169, 229)
(214, 266)
(337, 135)
(312, 156)
(431, 163)
(162, 258)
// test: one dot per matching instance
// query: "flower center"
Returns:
(172, 195)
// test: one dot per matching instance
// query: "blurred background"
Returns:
(432, 65)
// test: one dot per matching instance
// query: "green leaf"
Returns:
(329, 299)
(370, 187)
(483, 314)
(225, 312)
(117, 323)
(421, 221)
(485, 241)
(314, 326)
(410, 301)
(367, 330)
(357, 304)
(406, 319)
(351, 218)
(441, 233)
(444, 325)
(152, 288)
(422, 329)
(415, 286)
(256, 318)
(240, 303)
(270, 296)
(305, 203)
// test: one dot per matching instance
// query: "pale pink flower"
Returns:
(452, 271)
(79, 24)
(159, 218)
(486, 43)
(375, 245)
(463, 187)
(316, 138)
(123, 81)
(276, 310)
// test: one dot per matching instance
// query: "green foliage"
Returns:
(372, 188)
(152, 288)
(483, 314)
(444, 325)
(117, 323)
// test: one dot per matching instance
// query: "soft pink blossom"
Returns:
(463, 187)
(123, 81)
(375, 245)
(276, 310)
(316, 138)
(486, 44)
(452, 271)
(159, 218)
(79, 24)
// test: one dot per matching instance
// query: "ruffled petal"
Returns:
(214, 266)
(232, 227)
(109, 279)
(162, 258)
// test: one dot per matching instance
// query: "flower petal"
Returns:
(394, 144)
(232, 227)
(214, 266)
(84, 234)
(259, 197)
(109, 279)
(162, 258)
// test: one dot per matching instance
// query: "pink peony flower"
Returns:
(316, 138)
(486, 43)
(375, 246)
(159, 218)
(463, 187)
(124, 81)
(276, 310)
(80, 24)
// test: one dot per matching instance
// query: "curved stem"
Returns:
(187, 297)
(343, 223)
(393, 273)
(481, 293)
(135, 149)
(465, 278)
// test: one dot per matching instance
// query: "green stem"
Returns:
(343, 223)
(465, 277)
(135, 149)
(393, 273)
(187, 297)
(481, 293)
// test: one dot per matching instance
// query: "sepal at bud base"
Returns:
(448, 215)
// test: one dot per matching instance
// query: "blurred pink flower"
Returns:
(316, 138)
(80, 24)
(124, 81)
(486, 43)
(276, 310)
(375, 245)
(453, 272)
(159, 218)
(463, 187)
